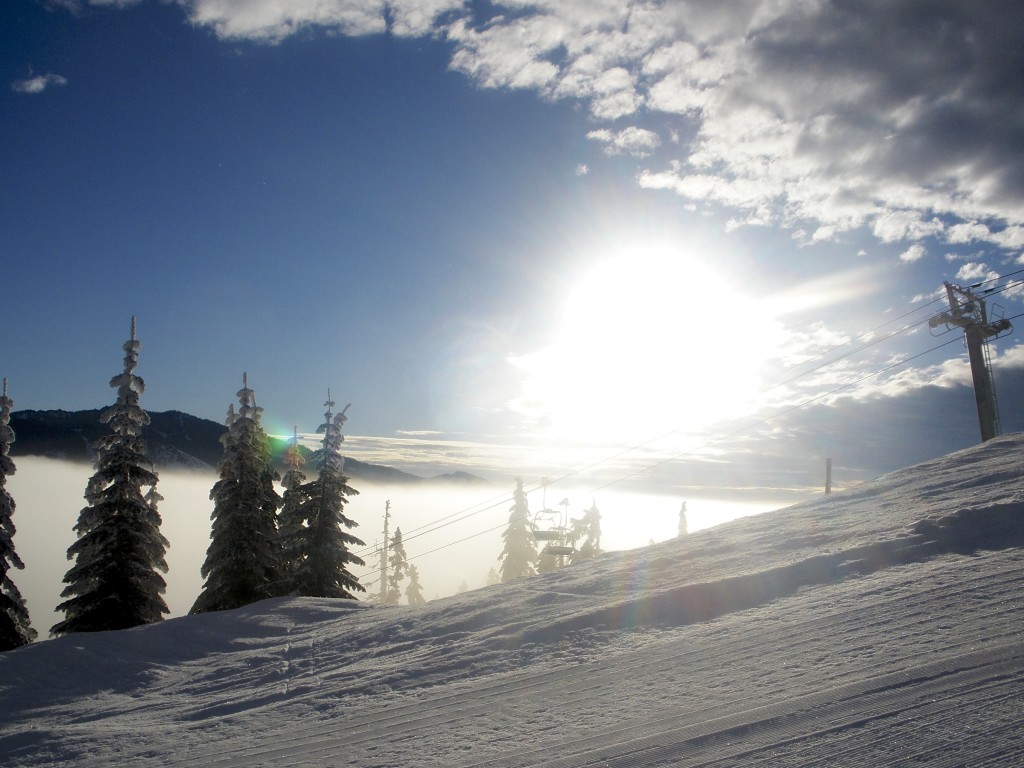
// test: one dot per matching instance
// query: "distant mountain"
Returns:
(173, 440)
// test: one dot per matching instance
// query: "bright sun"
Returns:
(650, 341)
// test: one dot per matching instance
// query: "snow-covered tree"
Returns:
(321, 554)
(289, 520)
(15, 629)
(243, 561)
(115, 582)
(398, 565)
(414, 590)
(520, 551)
(493, 577)
(587, 529)
(683, 530)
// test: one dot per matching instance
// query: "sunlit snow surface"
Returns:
(882, 626)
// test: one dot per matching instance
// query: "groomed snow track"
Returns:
(883, 675)
(857, 649)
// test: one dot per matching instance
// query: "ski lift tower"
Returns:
(967, 310)
(384, 555)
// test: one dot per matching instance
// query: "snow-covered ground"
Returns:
(882, 626)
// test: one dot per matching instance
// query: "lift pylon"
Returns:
(967, 310)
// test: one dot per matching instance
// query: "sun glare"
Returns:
(651, 340)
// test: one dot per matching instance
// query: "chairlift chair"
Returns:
(550, 526)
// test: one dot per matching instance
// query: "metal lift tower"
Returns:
(967, 311)
(384, 555)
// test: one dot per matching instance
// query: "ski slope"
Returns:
(882, 626)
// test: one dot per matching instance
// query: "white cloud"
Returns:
(273, 20)
(893, 226)
(967, 232)
(913, 253)
(37, 84)
(1011, 237)
(415, 18)
(506, 56)
(1011, 358)
(638, 142)
(974, 272)
(614, 95)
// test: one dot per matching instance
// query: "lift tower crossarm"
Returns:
(967, 311)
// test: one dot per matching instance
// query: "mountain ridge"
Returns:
(174, 439)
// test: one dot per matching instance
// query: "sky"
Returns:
(683, 246)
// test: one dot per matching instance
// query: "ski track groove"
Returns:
(837, 710)
(409, 719)
(857, 742)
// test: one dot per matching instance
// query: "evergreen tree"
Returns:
(115, 583)
(398, 565)
(321, 554)
(683, 530)
(243, 561)
(414, 591)
(493, 577)
(520, 552)
(15, 629)
(289, 521)
(587, 528)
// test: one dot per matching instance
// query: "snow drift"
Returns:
(877, 627)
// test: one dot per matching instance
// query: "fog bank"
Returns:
(451, 533)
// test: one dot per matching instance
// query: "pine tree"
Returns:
(243, 561)
(382, 558)
(115, 583)
(289, 521)
(587, 528)
(321, 554)
(15, 629)
(683, 529)
(398, 565)
(493, 577)
(520, 552)
(414, 591)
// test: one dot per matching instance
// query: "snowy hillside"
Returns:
(878, 627)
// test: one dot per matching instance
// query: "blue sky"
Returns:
(554, 229)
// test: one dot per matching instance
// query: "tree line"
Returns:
(255, 551)
(262, 544)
